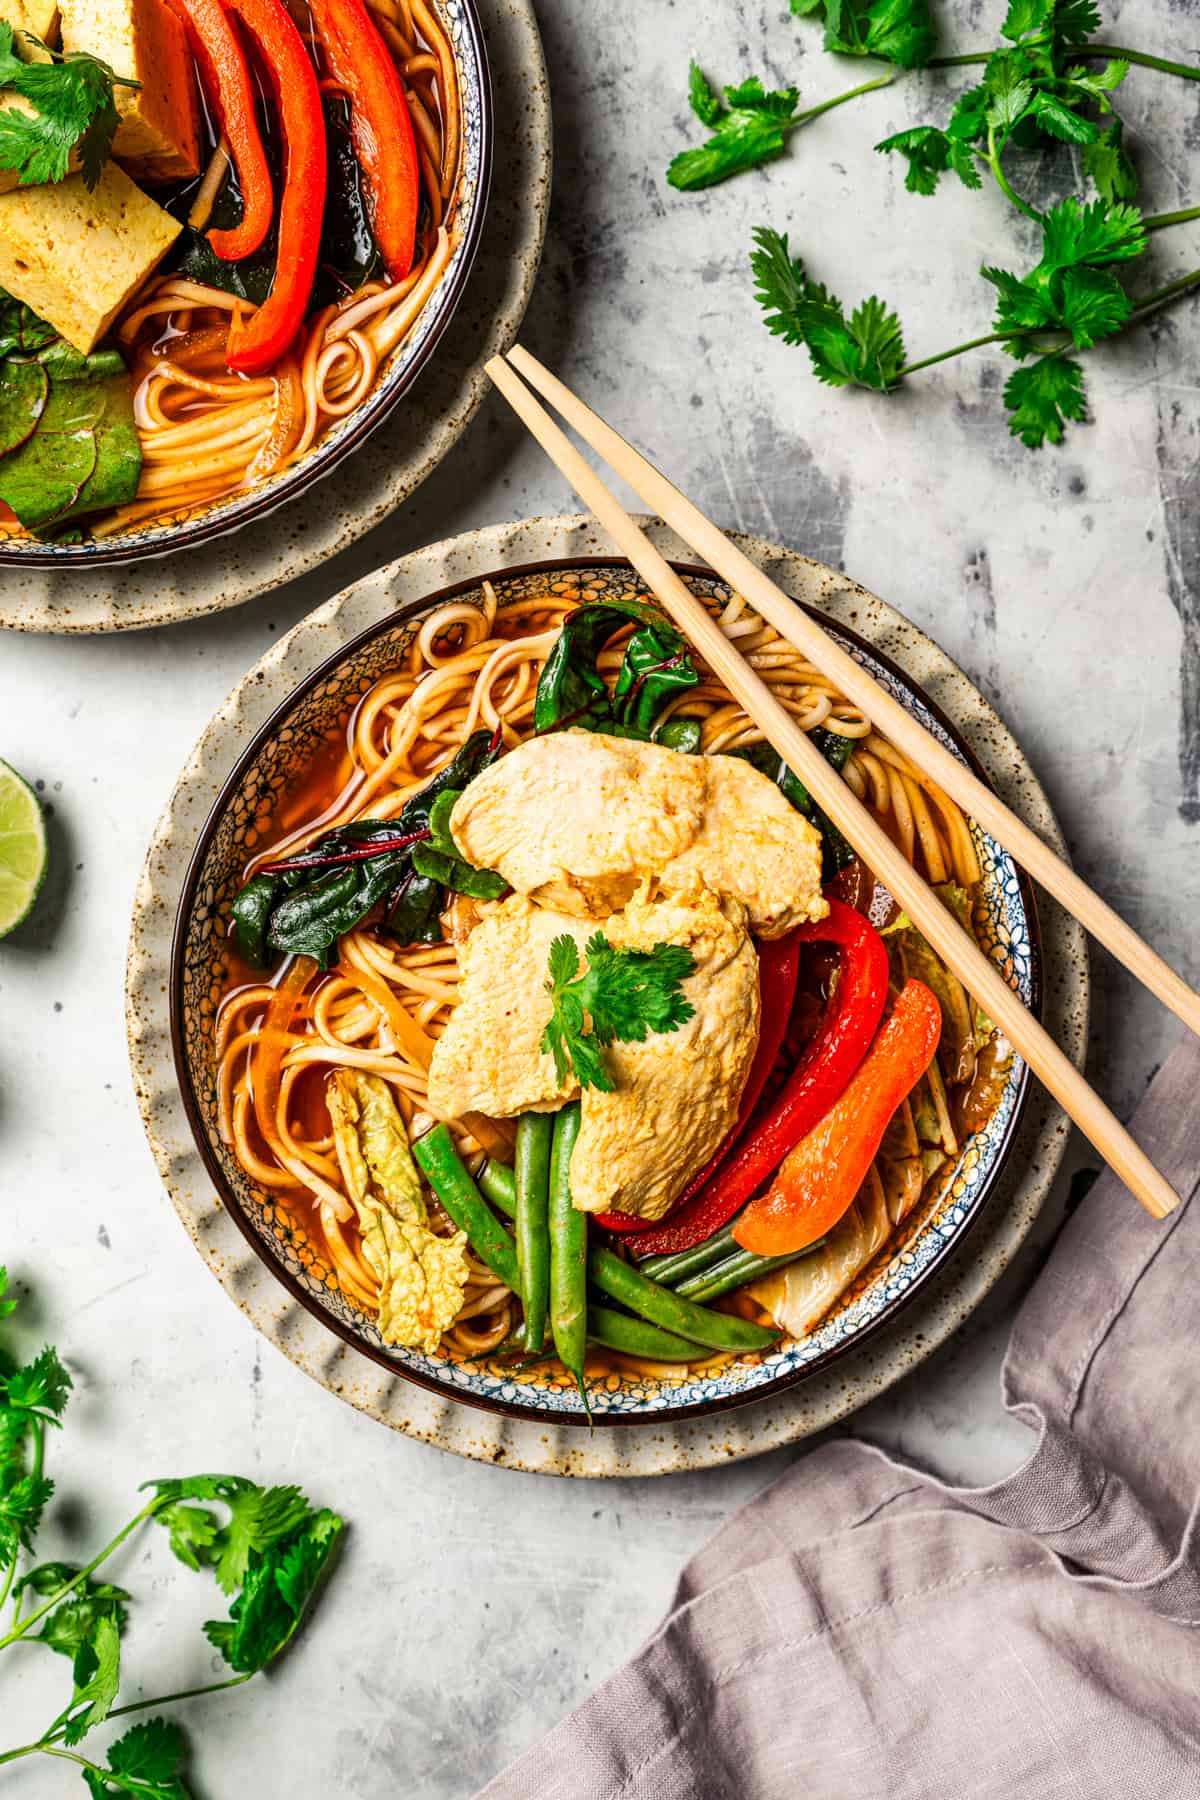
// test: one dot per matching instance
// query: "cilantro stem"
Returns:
(991, 337)
(19, 1630)
(1003, 183)
(211, 1687)
(1160, 221)
(1184, 70)
(867, 87)
(39, 1458)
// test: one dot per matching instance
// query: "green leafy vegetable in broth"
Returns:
(68, 442)
(303, 904)
(69, 109)
(439, 859)
(656, 667)
(267, 1548)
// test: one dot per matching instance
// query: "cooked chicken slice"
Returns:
(581, 821)
(489, 1058)
(675, 1095)
(755, 846)
(578, 820)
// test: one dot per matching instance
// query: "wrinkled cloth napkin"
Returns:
(861, 1632)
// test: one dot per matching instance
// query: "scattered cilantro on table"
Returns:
(267, 1548)
(1047, 81)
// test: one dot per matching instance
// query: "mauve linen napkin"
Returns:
(861, 1632)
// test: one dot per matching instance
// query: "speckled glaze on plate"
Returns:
(665, 1440)
(432, 391)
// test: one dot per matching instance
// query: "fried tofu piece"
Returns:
(75, 257)
(580, 821)
(158, 138)
(674, 1097)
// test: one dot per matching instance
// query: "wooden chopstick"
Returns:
(957, 949)
(884, 711)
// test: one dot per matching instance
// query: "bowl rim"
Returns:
(373, 411)
(551, 1417)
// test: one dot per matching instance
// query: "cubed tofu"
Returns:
(76, 257)
(37, 16)
(159, 134)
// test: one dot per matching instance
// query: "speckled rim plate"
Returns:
(362, 477)
(661, 1443)
(266, 766)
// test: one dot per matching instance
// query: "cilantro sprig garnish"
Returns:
(1048, 81)
(71, 110)
(267, 1548)
(622, 996)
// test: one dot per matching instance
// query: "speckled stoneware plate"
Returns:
(383, 451)
(908, 1301)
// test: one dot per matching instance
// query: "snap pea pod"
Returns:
(736, 1271)
(634, 1337)
(441, 1164)
(531, 1169)
(568, 1254)
(673, 1269)
(620, 1281)
(498, 1184)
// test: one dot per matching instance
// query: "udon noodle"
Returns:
(381, 1006)
(207, 433)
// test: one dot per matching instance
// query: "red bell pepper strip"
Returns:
(778, 970)
(850, 1023)
(257, 344)
(821, 1176)
(227, 88)
(381, 128)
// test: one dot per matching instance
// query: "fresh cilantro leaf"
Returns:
(14, 1429)
(147, 1761)
(622, 995)
(97, 1673)
(73, 1621)
(6, 1306)
(1056, 117)
(898, 31)
(192, 1531)
(1074, 21)
(929, 153)
(1042, 397)
(70, 108)
(21, 1505)
(42, 1386)
(866, 350)
(752, 130)
(780, 284)
(46, 1579)
(1008, 89)
(1093, 305)
(277, 1591)
(259, 1517)
(1108, 164)
(1026, 16)
(1024, 305)
(1099, 232)
(1101, 81)
(802, 8)
(702, 96)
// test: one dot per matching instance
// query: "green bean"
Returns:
(736, 1271)
(634, 1337)
(498, 1184)
(660, 1306)
(671, 1270)
(447, 1176)
(568, 1254)
(532, 1171)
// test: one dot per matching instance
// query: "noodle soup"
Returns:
(298, 277)
(285, 1043)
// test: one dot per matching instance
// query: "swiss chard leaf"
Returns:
(305, 909)
(836, 852)
(656, 667)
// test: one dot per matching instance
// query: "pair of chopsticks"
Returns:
(953, 944)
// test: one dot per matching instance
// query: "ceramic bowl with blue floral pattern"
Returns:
(280, 750)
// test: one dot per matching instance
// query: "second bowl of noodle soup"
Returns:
(357, 740)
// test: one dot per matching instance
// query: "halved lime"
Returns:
(23, 849)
